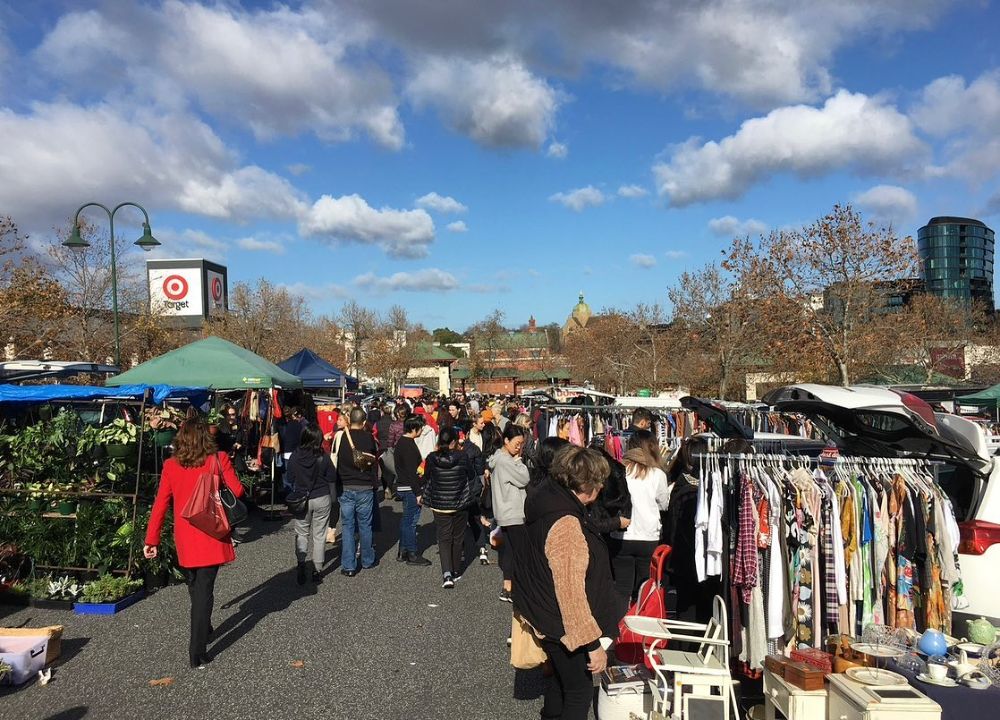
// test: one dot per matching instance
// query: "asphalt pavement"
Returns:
(387, 644)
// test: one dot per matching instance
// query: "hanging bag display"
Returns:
(631, 648)
(204, 509)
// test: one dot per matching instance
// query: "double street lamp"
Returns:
(147, 242)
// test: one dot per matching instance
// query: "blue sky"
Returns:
(456, 157)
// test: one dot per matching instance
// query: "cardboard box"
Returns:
(26, 655)
(54, 634)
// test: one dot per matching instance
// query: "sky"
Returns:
(459, 156)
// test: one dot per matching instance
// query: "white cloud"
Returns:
(441, 203)
(401, 233)
(888, 204)
(257, 245)
(762, 53)
(557, 150)
(64, 152)
(279, 72)
(675, 254)
(298, 169)
(632, 191)
(427, 280)
(497, 102)
(641, 260)
(317, 292)
(186, 244)
(580, 198)
(729, 226)
(458, 226)
(967, 117)
(851, 131)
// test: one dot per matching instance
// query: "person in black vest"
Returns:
(563, 585)
(448, 492)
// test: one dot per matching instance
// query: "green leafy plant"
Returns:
(64, 588)
(109, 589)
(214, 417)
(163, 418)
(119, 432)
(5, 669)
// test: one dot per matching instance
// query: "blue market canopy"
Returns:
(315, 372)
(37, 394)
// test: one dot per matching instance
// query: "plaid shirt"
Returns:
(745, 564)
(830, 599)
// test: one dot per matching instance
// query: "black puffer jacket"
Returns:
(614, 500)
(448, 480)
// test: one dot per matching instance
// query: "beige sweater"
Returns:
(568, 556)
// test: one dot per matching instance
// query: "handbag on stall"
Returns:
(651, 602)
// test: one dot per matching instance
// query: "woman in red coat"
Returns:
(200, 555)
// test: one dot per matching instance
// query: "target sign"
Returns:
(175, 287)
(217, 289)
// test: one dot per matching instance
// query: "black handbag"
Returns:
(236, 509)
(297, 501)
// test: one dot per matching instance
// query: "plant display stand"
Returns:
(83, 608)
(51, 604)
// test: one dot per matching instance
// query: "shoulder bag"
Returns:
(236, 509)
(297, 500)
(363, 461)
(204, 509)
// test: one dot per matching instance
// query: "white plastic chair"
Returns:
(704, 670)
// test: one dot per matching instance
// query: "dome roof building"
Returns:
(577, 319)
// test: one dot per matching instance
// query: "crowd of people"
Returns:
(573, 528)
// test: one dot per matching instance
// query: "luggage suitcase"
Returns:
(651, 602)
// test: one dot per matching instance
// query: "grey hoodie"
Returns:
(508, 479)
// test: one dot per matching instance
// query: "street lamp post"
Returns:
(147, 242)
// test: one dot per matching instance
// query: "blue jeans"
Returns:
(356, 508)
(408, 525)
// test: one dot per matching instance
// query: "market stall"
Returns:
(317, 374)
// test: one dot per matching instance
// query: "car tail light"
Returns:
(977, 537)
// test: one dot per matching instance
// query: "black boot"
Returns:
(403, 555)
(300, 576)
(417, 559)
(316, 577)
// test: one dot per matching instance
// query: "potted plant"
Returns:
(108, 594)
(163, 422)
(66, 506)
(213, 420)
(55, 594)
(119, 438)
(36, 497)
(15, 593)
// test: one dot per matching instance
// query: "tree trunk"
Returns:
(845, 378)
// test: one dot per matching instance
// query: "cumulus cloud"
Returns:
(632, 191)
(498, 102)
(580, 198)
(888, 204)
(458, 226)
(762, 53)
(851, 131)
(105, 150)
(675, 254)
(967, 115)
(257, 245)
(279, 71)
(557, 150)
(641, 260)
(401, 233)
(729, 226)
(441, 203)
(427, 280)
(186, 244)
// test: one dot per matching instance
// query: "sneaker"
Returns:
(456, 578)
(317, 577)
(448, 582)
(508, 641)
(505, 596)
(484, 558)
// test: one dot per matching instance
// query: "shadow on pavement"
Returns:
(73, 713)
(271, 596)
(71, 647)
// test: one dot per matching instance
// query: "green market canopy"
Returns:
(990, 397)
(212, 363)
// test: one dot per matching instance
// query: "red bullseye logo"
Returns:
(217, 289)
(175, 287)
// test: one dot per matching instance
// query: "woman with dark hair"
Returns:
(448, 493)
(545, 453)
(199, 554)
(509, 480)
(563, 584)
(633, 548)
(310, 471)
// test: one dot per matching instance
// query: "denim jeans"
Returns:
(408, 525)
(356, 507)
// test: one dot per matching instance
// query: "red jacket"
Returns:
(194, 548)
